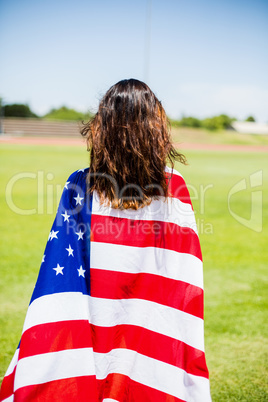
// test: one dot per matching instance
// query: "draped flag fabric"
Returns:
(117, 309)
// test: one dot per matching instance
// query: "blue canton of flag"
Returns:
(65, 264)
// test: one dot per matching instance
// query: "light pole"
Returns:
(147, 41)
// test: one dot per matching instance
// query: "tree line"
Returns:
(62, 113)
(219, 122)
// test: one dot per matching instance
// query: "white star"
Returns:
(66, 216)
(58, 269)
(43, 259)
(81, 271)
(66, 184)
(53, 235)
(80, 234)
(70, 251)
(81, 170)
(78, 199)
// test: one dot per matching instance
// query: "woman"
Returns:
(117, 310)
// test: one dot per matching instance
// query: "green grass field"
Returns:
(235, 256)
(198, 135)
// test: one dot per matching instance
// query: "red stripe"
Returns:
(66, 390)
(63, 335)
(169, 292)
(122, 388)
(144, 233)
(88, 389)
(7, 386)
(177, 188)
(55, 336)
(151, 344)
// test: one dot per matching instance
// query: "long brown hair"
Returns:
(129, 143)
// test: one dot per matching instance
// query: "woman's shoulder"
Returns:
(171, 171)
(78, 175)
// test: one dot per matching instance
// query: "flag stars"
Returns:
(78, 199)
(70, 251)
(66, 184)
(58, 269)
(80, 234)
(66, 216)
(81, 170)
(43, 259)
(81, 271)
(53, 235)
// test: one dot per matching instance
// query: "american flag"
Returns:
(117, 309)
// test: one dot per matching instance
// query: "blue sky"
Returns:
(203, 58)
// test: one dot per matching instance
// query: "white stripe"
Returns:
(13, 363)
(172, 171)
(108, 313)
(171, 210)
(152, 373)
(156, 374)
(9, 399)
(57, 307)
(152, 260)
(153, 316)
(47, 367)
(109, 400)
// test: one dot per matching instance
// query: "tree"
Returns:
(190, 122)
(221, 122)
(64, 113)
(186, 122)
(18, 110)
(250, 118)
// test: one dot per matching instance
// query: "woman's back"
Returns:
(146, 302)
(117, 310)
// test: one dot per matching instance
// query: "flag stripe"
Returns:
(157, 318)
(13, 362)
(79, 362)
(7, 386)
(108, 313)
(9, 399)
(163, 209)
(177, 185)
(140, 233)
(52, 366)
(120, 285)
(58, 336)
(122, 388)
(82, 389)
(109, 400)
(167, 263)
(172, 171)
(149, 372)
(116, 387)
